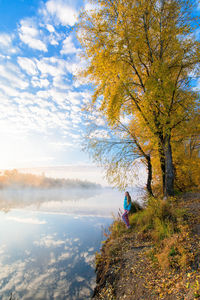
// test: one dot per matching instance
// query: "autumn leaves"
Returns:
(141, 55)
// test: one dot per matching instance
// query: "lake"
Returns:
(48, 241)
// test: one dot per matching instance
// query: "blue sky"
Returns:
(41, 122)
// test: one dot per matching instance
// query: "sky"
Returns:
(41, 122)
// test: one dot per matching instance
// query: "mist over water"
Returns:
(50, 198)
(49, 237)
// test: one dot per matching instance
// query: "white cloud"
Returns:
(13, 77)
(6, 43)
(99, 134)
(57, 96)
(15, 271)
(89, 7)
(74, 136)
(64, 256)
(37, 93)
(50, 28)
(51, 66)
(73, 97)
(60, 82)
(91, 249)
(48, 241)
(63, 13)
(53, 41)
(41, 110)
(75, 65)
(62, 144)
(34, 221)
(76, 108)
(7, 90)
(57, 67)
(30, 35)
(40, 82)
(89, 258)
(68, 46)
(4, 56)
(28, 65)
(5, 40)
(2, 249)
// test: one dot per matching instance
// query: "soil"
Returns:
(125, 269)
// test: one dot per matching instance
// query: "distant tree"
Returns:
(141, 55)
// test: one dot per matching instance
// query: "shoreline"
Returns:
(125, 266)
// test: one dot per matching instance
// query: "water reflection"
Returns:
(52, 258)
(48, 242)
(19, 198)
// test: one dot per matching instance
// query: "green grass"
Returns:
(164, 224)
(160, 219)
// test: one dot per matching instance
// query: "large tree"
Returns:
(141, 54)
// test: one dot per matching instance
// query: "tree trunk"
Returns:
(169, 169)
(162, 162)
(149, 179)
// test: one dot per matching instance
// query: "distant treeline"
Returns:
(12, 178)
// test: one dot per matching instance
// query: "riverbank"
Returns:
(156, 261)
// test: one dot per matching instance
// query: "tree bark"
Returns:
(149, 178)
(162, 162)
(169, 169)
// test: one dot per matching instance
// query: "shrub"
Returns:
(135, 207)
(164, 222)
(161, 229)
(174, 251)
(117, 229)
(158, 216)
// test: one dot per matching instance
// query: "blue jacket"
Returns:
(126, 206)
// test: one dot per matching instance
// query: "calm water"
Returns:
(48, 241)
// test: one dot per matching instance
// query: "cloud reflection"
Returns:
(27, 220)
(18, 278)
(48, 242)
(55, 262)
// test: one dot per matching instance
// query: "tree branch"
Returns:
(147, 38)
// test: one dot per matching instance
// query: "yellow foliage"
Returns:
(13, 177)
(140, 55)
(186, 146)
